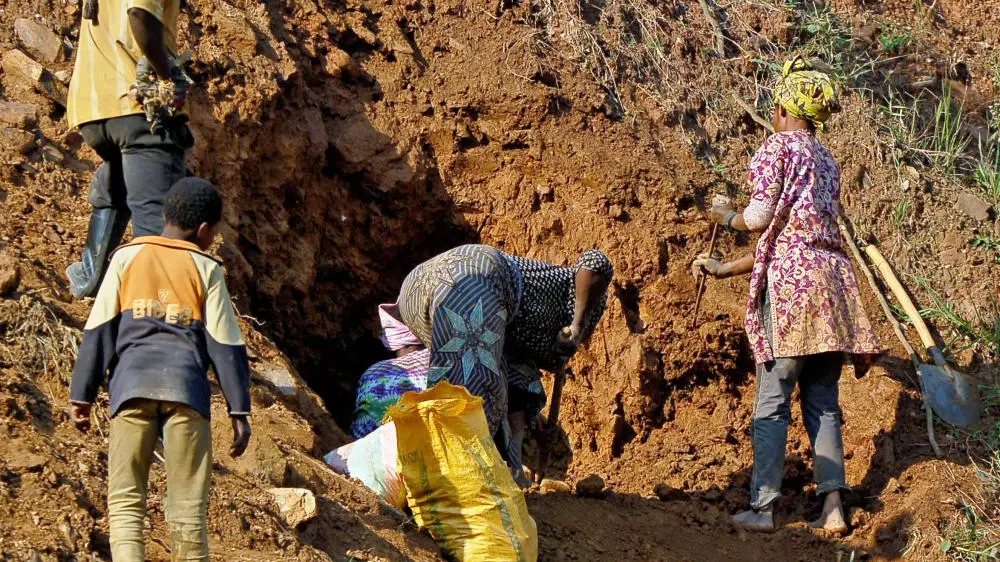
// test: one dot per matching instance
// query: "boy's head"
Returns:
(192, 211)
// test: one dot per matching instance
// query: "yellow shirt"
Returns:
(106, 59)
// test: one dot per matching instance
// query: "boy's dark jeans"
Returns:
(138, 170)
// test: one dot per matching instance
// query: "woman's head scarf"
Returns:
(395, 334)
(806, 93)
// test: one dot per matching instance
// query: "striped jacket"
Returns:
(162, 317)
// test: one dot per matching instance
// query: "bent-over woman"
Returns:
(480, 311)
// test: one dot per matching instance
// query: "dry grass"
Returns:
(35, 340)
(623, 42)
(973, 532)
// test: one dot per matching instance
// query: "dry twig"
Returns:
(720, 36)
(753, 113)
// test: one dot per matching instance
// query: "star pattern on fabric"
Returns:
(473, 341)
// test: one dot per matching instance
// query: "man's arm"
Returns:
(228, 353)
(148, 33)
(97, 353)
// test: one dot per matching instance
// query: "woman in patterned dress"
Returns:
(491, 320)
(804, 312)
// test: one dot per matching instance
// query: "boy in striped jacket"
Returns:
(161, 318)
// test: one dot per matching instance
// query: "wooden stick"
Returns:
(897, 289)
(720, 37)
(895, 327)
(753, 113)
(551, 423)
(701, 283)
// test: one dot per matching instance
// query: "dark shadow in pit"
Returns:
(328, 216)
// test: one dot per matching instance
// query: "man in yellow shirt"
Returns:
(139, 165)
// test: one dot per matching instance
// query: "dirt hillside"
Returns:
(353, 140)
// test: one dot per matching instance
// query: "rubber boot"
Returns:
(107, 226)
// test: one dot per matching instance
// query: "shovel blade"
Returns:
(953, 398)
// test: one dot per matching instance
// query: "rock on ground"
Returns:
(549, 486)
(668, 493)
(21, 141)
(297, 505)
(36, 37)
(33, 75)
(20, 115)
(592, 486)
(974, 206)
(263, 459)
(10, 275)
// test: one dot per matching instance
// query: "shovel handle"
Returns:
(557, 387)
(701, 282)
(846, 230)
(889, 316)
(904, 299)
(545, 447)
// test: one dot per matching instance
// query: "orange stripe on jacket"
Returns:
(162, 282)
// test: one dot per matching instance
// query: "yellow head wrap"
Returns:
(806, 93)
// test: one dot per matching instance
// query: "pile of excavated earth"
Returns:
(351, 140)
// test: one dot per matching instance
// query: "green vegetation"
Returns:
(901, 212)
(965, 538)
(949, 142)
(987, 172)
(823, 36)
(983, 335)
(896, 40)
(988, 244)
(973, 534)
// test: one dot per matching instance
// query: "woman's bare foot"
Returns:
(751, 520)
(832, 519)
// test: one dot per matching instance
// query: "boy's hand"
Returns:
(241, 436)
(80, 415)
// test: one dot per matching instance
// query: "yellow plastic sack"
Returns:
(457, 485)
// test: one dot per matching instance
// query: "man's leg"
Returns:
(108, 218)
(820, 397)
(133, 437)
(187, 449)
(151, 165)
(772, 410)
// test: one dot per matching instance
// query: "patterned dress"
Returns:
(490, 320)
(800, 259)
(383, 384)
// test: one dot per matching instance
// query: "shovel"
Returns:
(951, 395)
(891, 318)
